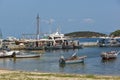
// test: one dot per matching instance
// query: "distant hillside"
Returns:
(115, 33)
(85, 34)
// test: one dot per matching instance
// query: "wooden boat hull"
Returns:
(107, 56)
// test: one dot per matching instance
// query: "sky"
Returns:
(18, 17)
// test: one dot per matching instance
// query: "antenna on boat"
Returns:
(58, 30)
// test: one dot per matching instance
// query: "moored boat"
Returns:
(109, 42)
(25, 55)
(109, 55)
(72, 59)
(7, 54)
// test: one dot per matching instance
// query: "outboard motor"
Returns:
(62, 60)
(14, 55)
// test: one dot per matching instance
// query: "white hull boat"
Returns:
(73, 59)
(7, 54)
(25, 55)
(109, 55)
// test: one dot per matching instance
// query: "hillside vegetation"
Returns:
(85, 34)
(115, 33)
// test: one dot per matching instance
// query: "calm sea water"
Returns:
(48, 62)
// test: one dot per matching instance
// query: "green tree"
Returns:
(115, 33)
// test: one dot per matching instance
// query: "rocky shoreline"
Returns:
(23, 75)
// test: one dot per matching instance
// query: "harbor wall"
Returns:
(89, 44)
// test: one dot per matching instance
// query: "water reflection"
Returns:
(62, 65)
(108, 61)
(72, 67)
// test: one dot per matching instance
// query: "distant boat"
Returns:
(55, 40)
(109, 55)
(72, 59)
(111, 42)
(60, 41)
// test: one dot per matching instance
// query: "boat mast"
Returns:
(38, 32)
(0, 34)
(58, 30)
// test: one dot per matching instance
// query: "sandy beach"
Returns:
(22, 75)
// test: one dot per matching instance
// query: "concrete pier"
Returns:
(89, 44)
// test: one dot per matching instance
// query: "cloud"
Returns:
(71, 20)
(50, 21)
(88, 20)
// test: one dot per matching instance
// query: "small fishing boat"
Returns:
(72, 59)
(109, 55)
(25, 55)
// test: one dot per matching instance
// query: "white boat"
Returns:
(7, 54)
(60, 41)
(109, 55)
(57, 40)
(73, 59)
(25, 55)
(111, 42)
